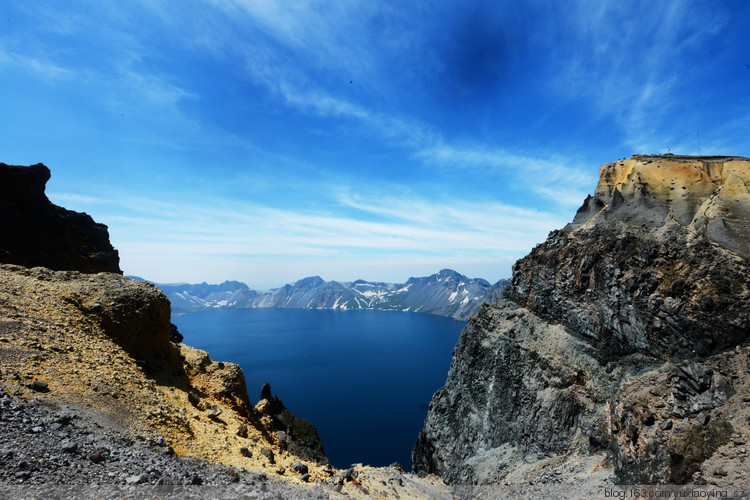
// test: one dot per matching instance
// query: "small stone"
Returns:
(160, 441)
(232, 473)
(133, 480)
(701, 419)
(720, 472)
(70, 447)
(665, 425)
(214, 413)
(282, 437)
(97, 457)
(55, 427)
(242, 431)
(304, 477)
(24, 474)
(64, 419)
(39, 386)
(37, 430)
(245, 452)
(300, 468)
(194, 398)
(336, 480)
(268, 454)
(397, 466)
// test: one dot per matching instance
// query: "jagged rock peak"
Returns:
(34, 232)
(309, 282)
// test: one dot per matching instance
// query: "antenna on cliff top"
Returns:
(699, 142)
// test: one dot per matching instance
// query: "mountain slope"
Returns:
(446, 293)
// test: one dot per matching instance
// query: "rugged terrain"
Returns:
(96, 387)
(620, 351)
(446, 293)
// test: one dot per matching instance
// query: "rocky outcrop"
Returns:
(34, 232)
(134, 314)
(617, 343)
(645, 273)
(296, 435)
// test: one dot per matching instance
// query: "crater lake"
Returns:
(364, 378)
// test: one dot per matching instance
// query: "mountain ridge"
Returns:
(445, 293)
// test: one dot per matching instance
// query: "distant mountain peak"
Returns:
(309, 282)
(445, 293)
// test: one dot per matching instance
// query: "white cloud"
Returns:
(553, 178)
(38, 65)
(633, 61)
(368, 230)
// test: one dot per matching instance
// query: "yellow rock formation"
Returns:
(671, 177)
(710, 195)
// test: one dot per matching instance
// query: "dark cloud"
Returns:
(477, 55)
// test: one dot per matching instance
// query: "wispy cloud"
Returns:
(632, 61)
(38, 65)
(555, 178)
(367, 227)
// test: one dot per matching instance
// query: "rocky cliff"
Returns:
(34, 232)
(619, 351)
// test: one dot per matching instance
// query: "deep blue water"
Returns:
(364, 378)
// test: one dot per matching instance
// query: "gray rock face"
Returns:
(508, 396)
(616, 340)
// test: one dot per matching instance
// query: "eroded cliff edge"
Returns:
(619, 352)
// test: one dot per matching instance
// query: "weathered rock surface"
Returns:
(34, 232)
(618, 344)
(134, 314)
(644, 273)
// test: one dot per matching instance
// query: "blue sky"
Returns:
(267, 141)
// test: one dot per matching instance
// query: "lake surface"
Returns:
(364, 378)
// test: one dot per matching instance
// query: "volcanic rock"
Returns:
(626, 317)
(37, 233)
